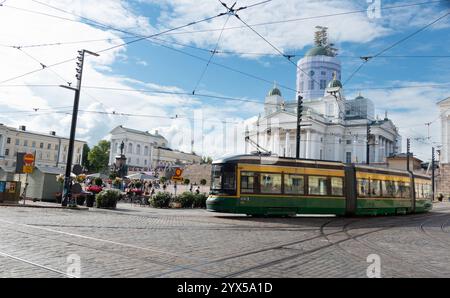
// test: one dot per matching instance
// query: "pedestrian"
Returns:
(191, 189)
(197, 191)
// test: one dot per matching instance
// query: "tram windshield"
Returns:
(223, 180)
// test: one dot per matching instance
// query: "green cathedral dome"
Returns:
(318, 51)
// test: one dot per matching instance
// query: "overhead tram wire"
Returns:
(98, 24)
(58, 75)
(366, 59)
(312, 17)
(117, 46)
(234, 12)
(210, 57)
(148, 39)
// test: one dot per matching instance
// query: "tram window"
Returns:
(428, 192)
(247, 182)
(375, 188)
(419, 191)
(294, 184)
(223, 180)
(405, 190)
(389, 189)
(229, 179)
(318, 186)
(216, 183)
(337, 186)
(363, 188)
(271, 183)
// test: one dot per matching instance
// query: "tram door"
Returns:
(351, 190)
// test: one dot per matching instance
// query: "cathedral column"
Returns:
(287, 144)
(308, 144)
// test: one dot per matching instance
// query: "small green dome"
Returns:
(318, 51)
(334, 84)
(275, 91)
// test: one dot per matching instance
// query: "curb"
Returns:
(44, 207)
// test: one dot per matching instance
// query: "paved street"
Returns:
(145, 242)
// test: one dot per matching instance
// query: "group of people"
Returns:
(150, 188)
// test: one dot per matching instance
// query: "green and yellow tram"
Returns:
(269, 185)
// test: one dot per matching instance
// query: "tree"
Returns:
(85, 160)
(99, 156)
(207, 160)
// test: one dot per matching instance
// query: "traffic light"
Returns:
(300, 106)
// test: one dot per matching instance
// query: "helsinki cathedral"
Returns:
(334, 127)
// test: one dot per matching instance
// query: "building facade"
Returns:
(443, 179)
(146, 151)
(333, 127)
(49, 149)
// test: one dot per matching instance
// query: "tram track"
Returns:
(197, 267)
(308, 252)
(442, 226)
(36, 265)
(103, 250)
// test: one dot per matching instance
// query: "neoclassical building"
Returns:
(443, 179)
(333, 127)
(146, 151)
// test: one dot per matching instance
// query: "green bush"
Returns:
(98, 181)
(187, 181)
(203, 182)
(186, 199)
(161, 200)
(163, 180)
(108, 198)
(200, 201)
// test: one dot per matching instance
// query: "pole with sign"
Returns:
(28, 168)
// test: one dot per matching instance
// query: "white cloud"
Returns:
(23, 28)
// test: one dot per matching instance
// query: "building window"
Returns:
(41, 145)
(17, 142)
(323, 84)
(146, 150)
(294, 184)
(33, 144)
(324, 73)
(130, 148)
(56, 147)
(138, 149)
(317, 186)
(145, 162)
(311, 85)
(8, 141)
(6, 152)
(348, 157)
(25, 143)
(49, 146)
(40, 155)
(349, 142)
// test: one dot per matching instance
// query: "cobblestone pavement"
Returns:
(145, 242)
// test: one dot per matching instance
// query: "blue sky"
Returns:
(149, 66)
